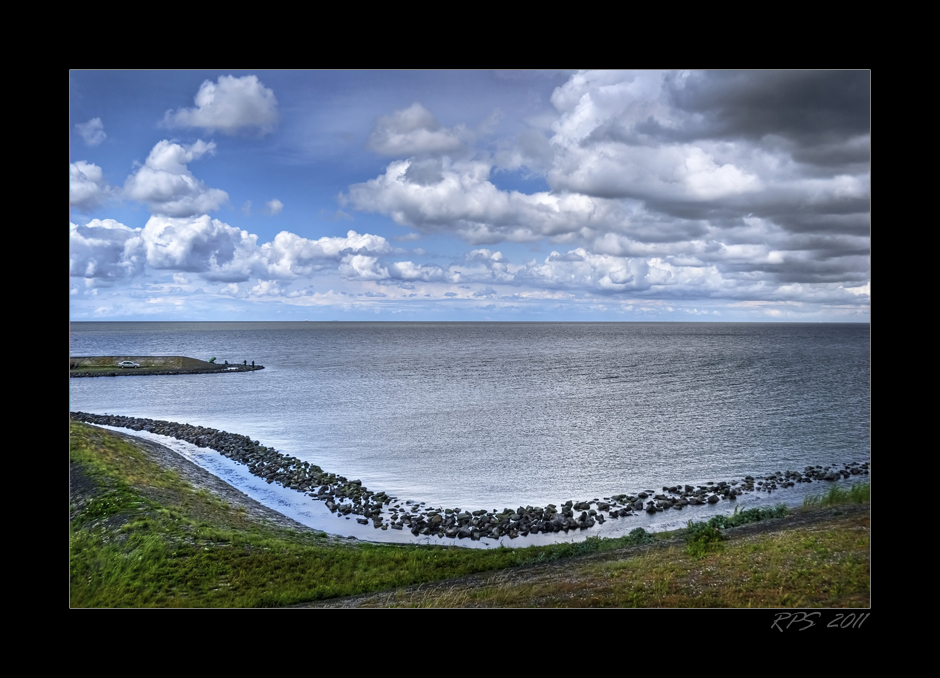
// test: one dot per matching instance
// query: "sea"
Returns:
(500, 415)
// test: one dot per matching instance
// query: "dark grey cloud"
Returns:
(808, 107)
(843, 270)
(852, 223)
(794, 207)
(827, 246)
(853, 154)
(819, 118)
(664, 230)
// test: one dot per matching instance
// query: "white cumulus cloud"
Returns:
(168, 187)
(108, 250)
(229, 105)
(201, 245)
(465, 202)
(290, 255)
(87, 186)
(105, 250)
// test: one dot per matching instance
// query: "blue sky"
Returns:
(470, 195)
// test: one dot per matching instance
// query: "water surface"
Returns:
(493, 415)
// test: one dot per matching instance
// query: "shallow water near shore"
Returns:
(315, 515)
(494, 415)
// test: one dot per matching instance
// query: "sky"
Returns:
(470, 195)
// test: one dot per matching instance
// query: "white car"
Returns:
(128, 363)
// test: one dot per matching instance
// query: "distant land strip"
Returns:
(123, 365)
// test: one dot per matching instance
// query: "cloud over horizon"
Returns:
(739, 189)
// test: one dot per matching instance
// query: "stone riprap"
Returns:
(347, 498)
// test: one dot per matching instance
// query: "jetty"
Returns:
(139, 365)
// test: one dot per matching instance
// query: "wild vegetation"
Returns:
(140, 536)
(859, 493)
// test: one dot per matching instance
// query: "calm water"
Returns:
(493, 415)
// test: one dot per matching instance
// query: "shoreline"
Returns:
(350, 499)
(201, 479)
(144, 535)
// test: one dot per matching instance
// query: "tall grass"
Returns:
(703, 538)
(859, 493)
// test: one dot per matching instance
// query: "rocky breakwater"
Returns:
(350, 498)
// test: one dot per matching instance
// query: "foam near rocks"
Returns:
(348, 498)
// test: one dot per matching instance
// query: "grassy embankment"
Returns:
(141, 536)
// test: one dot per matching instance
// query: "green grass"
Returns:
(142, 537)
(859, 493)
(802, 567)
(146, 538)
(704, 538)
